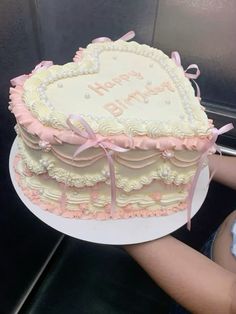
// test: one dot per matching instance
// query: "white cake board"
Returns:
(116, 232)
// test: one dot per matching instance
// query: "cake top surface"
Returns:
(118, 88)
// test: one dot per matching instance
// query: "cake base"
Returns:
(115, 232)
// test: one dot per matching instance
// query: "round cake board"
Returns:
(119, 231)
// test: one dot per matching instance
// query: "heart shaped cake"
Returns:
(116, 133)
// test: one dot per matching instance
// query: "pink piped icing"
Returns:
(78, 55)
(94, 195)
(156, 196)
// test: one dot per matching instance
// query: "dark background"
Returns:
(41, 271)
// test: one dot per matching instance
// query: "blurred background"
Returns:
(42, 271)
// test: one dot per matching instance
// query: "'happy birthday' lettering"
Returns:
(117, 107)
(102, 88)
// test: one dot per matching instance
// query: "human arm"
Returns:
(193, 280)
(224, 169)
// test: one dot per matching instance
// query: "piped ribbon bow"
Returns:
(125, 37)
(175, 56)
(92, 140)
(19, 80)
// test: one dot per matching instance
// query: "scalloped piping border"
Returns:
(120, 213)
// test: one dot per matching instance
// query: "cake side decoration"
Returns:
(211, 147)
(93, 141)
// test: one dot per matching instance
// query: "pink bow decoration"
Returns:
(212, 143)
(175, 56)
(125, 37)
(42, 65)
(92, 140)
(79, 54)
(19, 80)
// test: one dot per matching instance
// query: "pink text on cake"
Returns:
(117, 107)
(102, 88)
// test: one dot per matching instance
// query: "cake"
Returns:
(117, 133)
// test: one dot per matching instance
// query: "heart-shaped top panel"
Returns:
(118, 88)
